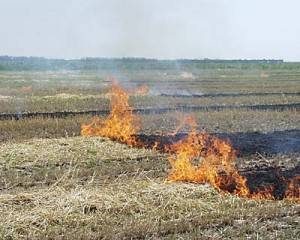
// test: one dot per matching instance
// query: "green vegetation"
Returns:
(37, 64)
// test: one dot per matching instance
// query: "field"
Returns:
(57, 184)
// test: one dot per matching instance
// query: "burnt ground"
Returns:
(265, 159)
(276, 158)
(151, 110)
(247, 143)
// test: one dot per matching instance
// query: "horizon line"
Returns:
(150, 58)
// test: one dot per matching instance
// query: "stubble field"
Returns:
(56, 184)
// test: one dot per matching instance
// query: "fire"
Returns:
(26, 90)
(265, 192)
(121, 124)
(293, 189)
(141, 91)
(197, 158)
(202, 158)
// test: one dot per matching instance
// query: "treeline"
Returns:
(8, 63)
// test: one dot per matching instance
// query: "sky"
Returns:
(165, 29)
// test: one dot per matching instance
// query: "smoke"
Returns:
(153, 29)
(135, 28)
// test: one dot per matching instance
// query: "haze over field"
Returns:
(229, 29)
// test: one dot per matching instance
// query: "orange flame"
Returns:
(215, 163)
(120, 125)
(293, 189)
(141, 91)
(203, 158)
(198, 158)
(26, 89)
(265, 192)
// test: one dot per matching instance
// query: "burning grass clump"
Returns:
(120, 125)
(216, 166)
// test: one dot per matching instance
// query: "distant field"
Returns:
(54, 182)
(80, 91)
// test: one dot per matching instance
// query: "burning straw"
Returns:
(198, 158)
(121, 124)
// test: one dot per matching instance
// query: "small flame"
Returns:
(293, 189)
(141, 91)
(26, 90)
(121, 124)
(265, 192)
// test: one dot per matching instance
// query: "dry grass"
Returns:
(213, 121)
(228, 121)
(91, 188)
(136, 209)
(72, 102)
(19, 130)
(57, 185)
(38, 162)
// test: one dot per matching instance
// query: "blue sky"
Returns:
(228, 29)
